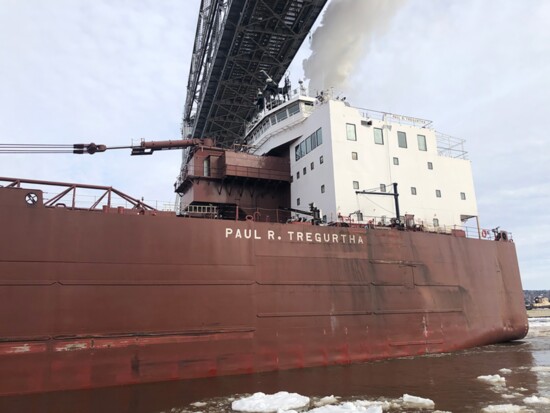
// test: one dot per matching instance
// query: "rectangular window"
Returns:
(378, 136)
(436, 222)
(322, 189)
(312, 166)
(430, 165)
(463, 196)
(396, 161)
(438, 193)
(281, 116)
(319, 134)
(206, 166)
(308, 144)
(402, 139)
(291, 178)
(294, 109)
(422, 143)
(304, 171)
(382, 187)
(413, 190)
(355, 184)
(350, 132)
(298, 175)
(321, 160)
(298, 201)
(354, 156)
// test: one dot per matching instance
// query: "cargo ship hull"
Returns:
(90, 299)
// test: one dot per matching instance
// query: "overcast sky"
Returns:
(77, 71)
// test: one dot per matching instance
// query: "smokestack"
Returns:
(343, 39)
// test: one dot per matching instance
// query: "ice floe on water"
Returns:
(535, 400)
(505, 371)
(417, 402)
(267, 403)
(284, 402)
(505, 408)
(493, 379)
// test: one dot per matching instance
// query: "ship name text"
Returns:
(294, 236)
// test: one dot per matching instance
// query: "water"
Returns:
(450, 380)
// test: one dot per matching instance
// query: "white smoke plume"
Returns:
(343, 39)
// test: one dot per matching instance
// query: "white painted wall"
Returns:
(373, 167)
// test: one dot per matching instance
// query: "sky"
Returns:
(115, 72)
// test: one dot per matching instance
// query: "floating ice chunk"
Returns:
(510, 396)
(505, 371)
(347, 407)
(267, 403)
(503, 408)
(417, 402)
(540, 369)
(326, 400)
(536, 400)
(385, 405)
(494, 379)
(198, 404)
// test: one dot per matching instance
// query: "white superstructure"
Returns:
(337, 151)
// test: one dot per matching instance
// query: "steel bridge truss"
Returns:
(236, 42)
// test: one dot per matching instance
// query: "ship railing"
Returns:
(86, 197)
(450, 146)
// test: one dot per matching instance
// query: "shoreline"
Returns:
(540, 312)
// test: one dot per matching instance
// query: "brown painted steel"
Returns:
(92, 299)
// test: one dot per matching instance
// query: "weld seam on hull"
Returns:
(397, 262)
(127, 335)
(415, 343)
(450, 310)
(121, 283)
(343, 283)
(312, 314)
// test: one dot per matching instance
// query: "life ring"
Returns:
(249, 218)
(484, 233)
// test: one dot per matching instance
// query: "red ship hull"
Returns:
(90, 299)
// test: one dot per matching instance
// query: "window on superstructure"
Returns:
(206, 166)
(312, 166)
(293, 109)
(350, 132)
(436, 222)
(308, 144)
(281, 115)
(291, 178)
(382, 187)
(354, 156)
(304, 171)
(298, 175)
(430, 165)
(438, 193)
(413, 190)
(402, 139)
(378, 136)
(422, 143)
(298, 201)
(321, 159)
(396, 161)
(322, 189)
(463, 196)
(355, 184)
